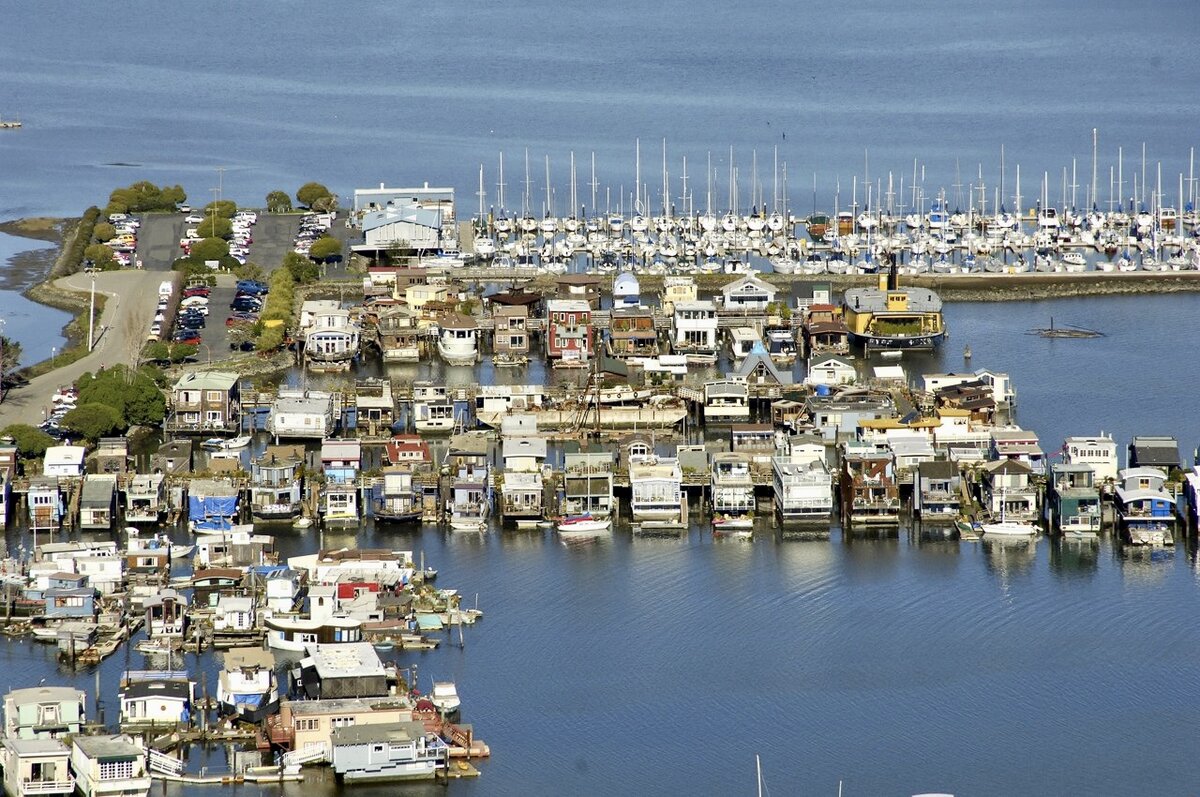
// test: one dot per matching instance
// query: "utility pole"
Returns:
(92, 314)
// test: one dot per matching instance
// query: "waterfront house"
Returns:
(568, 330)
(340, 671)
(870, 494)
(522, 488)
(677, 288)
(694, 330)
(411, 220)
(112, 455)
(588, 484)
(959, 437)
(173, 458)
(748, 294)
(44, 712)
(824, 330)
(1006, 489)
(786, 413)
(145, 498)
(803, 485)
(1019, 445)
(432, 408)
(1145, 510)
(656, 485)
(407, 449)
(234, 615)
(8, 472)
(276, 483)
(830, 370)
(307, 726)
(726, 399)
(759, 370)
(632, 333)
(330, 335)
(1146, 451)
(417, 295)
(96, 559)
(580, 287)
(399, 337)
(210, 584)
(1099, 452)
(236, 548)
(741, 341)
(1072, 498)
(388, 751)
(470, 488)
(374, 407)
(76, 601)
(37, 767)
(301, 414)
(45, 503)
(247, 688)
(341, 461)
(156, 699)
(732, 487)
(937, 492)
(837, 418)
(972, 397)
(166, 614)
(397, 499)
(109, 766)
(212, 504)
(997, 386)
(755, 440)
(510, 335)
(203, 402)
(780, 344)
(98, 501)
(65, 461)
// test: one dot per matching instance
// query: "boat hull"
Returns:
(927, 341)
(610, 418)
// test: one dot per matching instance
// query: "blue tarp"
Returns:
(213, 524)
(201, 506)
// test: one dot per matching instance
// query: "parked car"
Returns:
(194, 219)
(252, 287)
(187, 336)
(246, 304)
(236, 319)
(196, 290)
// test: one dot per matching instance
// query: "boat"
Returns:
(295, 634)
(729, 523)
(1006, 527)
(445, 697)
(583, 525)
(302, 522)
(509, 360)
(457, 340)
(247, 687)
(891, 317)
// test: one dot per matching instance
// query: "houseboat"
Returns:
(870, 494)
(331, 342)
(732, 490)
(109, 766)
(803, 486)
(98, 501)
(396, 500)
(458, 340)
(1145, 510)
(433, 410)
(471, 487)
(301, 414)
(145, 499)
(44, 712)
(212, 505)
(37, 767)
(694, 331)
(588, 485)
(825, 330)
(166, 614)
(156, 699)
(341, 461)
(726, 400)
(387, 751)
(741, 341)
(781, 345)
(656, 485)
(45, 503)
(1072, 500)
(296, 634)
(276, 483)
(247, 687)
(399, 337)
(890, 317)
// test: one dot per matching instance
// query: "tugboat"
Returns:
(891, 317)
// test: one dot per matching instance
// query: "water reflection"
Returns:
(1074, 557)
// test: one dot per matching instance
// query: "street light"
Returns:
(2, 323)
(92, 312)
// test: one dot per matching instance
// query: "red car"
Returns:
(196, 290)
(240, 318)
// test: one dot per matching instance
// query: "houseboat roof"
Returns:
(382, 732)
(170, 688)
(1143, 494)
(35, 746)
(568, 306)
(937, 469)
(1007, 467)
(875, 300)
(459, 321)
(759, 359)
(697, 304)
(515, 298)
(108, 747)
(749, 281)
(346, 705)
(45, 694)
(212, 488)
(524, 447)
(345, 660)
(340, 450)
(98, 491)
(65, 455)
(207, 380)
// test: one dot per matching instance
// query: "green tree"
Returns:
(182, 351)
(248, 271)
(324, 248)
(174, 196)
(279, 202)
(133, 395)
(325, 204)
(93, 421)
(310, 193)
(10, 354)
(30, 441)
(210, 249)
(104, 232)
(302, 269)
(156, 351)
(101, 257)
(222, 208)
(215, 227)
(270, 339)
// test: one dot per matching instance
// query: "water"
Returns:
(35, 326)
(662, 667)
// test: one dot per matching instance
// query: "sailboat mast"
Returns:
(1095, 141)
(500, 185)
(595, 185)
(549, 210)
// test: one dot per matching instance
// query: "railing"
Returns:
(163, 763)
(47, 786)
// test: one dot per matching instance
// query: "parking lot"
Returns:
(158, 248)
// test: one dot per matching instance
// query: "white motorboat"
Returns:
(583, 526)
(445, 697)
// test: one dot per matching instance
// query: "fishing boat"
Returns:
(583, 525)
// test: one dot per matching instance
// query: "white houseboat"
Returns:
(656, 485)
(732, 492)
(247, 688)
(109, 766)
(803, 485)
(387, 751)
(145, 498)
(726, 400)
(433, 410)
(458, 340)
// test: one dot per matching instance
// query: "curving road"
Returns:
(120, 334)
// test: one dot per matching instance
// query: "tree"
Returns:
(222, 208)
(10, 354)
(270, 339)
(302, 269)
(324, 248)
(215, 227)
(30, 441)
(312, 192)
(104, 232)
(101, 257)
(156, 351)
(325, 204)
(248, 271)
(210, 249)
(93, 421)
(279, 202)
(133, 395)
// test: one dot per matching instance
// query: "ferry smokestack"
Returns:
(891, 276)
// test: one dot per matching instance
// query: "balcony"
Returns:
(65, 786)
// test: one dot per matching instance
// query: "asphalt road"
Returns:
(120, 335)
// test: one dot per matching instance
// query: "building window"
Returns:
(341, 722)
(116, 770)
(308, 724)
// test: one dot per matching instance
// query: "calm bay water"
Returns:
(652, 667)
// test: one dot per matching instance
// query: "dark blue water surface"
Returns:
(662, 667)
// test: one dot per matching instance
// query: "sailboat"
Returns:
(1008, 528)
